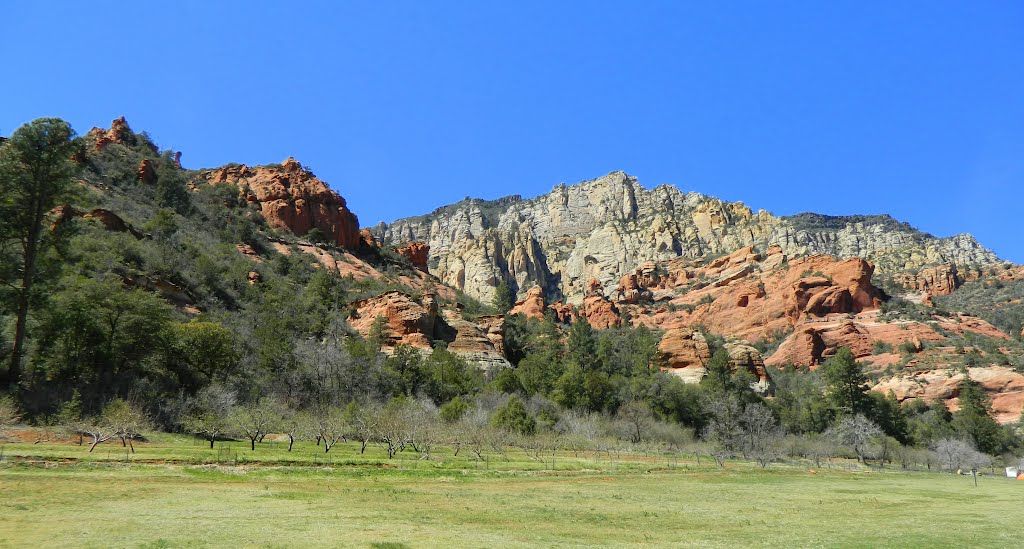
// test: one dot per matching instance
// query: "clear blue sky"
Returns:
(909, 108)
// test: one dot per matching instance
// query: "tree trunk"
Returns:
(130, 445)
(253, 445)
(95, 441)
(211, 442)
(14, 370)
(291, 441)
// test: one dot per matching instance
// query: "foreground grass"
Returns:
(111, 504)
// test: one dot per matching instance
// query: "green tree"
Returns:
(170, 186)
(581, 346)
(453, 410)
(206, 350)
(514, 417)
(846, 386)
(504, 299)
(36, 173)
(102, 338)
(406, 368)
(974, 420)
(450, 375)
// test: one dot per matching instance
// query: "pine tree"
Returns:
(973, 418)
(504, 298)
(36, 172)
(846, 384)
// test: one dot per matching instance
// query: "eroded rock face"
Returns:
(600, 313)
(119, 132)
(532, 306)
(146, 173)
(745, 357)
(421, 323)
(608, 228)
(416, 253)
(291, 197)
(110, 220)
(686, 353)
(847, 289)
(367, 240)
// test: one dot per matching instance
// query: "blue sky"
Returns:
(909, 108)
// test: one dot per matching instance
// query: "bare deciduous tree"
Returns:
(330, 426)
(638, 417)
(955, 454)
(856, 432)
(210, 413)
(761, 434)
(255, 420)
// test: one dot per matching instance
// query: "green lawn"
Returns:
(55, 502)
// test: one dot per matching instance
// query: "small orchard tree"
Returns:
(210, 414)
(125, 420)
(362, 424)
(955, 454)
(329, 426)
(255, 420)
(856, 432)
(97, 428)
(638, 417)
(292, 423)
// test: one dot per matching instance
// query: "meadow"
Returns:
(176, 492)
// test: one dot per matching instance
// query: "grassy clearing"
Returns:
(453, 502)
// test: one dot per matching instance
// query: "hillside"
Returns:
(183, 289)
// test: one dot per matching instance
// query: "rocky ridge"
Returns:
(605, 228)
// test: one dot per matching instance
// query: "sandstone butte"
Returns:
(810, 304)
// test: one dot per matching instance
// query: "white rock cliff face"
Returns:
(605, 228)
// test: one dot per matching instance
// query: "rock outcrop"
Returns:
(291, 197)
(420, 323)
(746, 358)
(608, 228)
(146, 173)
(1004, 386)
(416, 253)
(119, 133)
(531, 306)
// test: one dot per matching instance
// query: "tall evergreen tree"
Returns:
(581, 345)
(973, 418)
(36, 172)
(504, 298)
(846, 384)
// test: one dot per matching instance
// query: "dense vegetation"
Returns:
(1001, 303)
(112, 333)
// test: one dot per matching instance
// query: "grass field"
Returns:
(169, 498)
